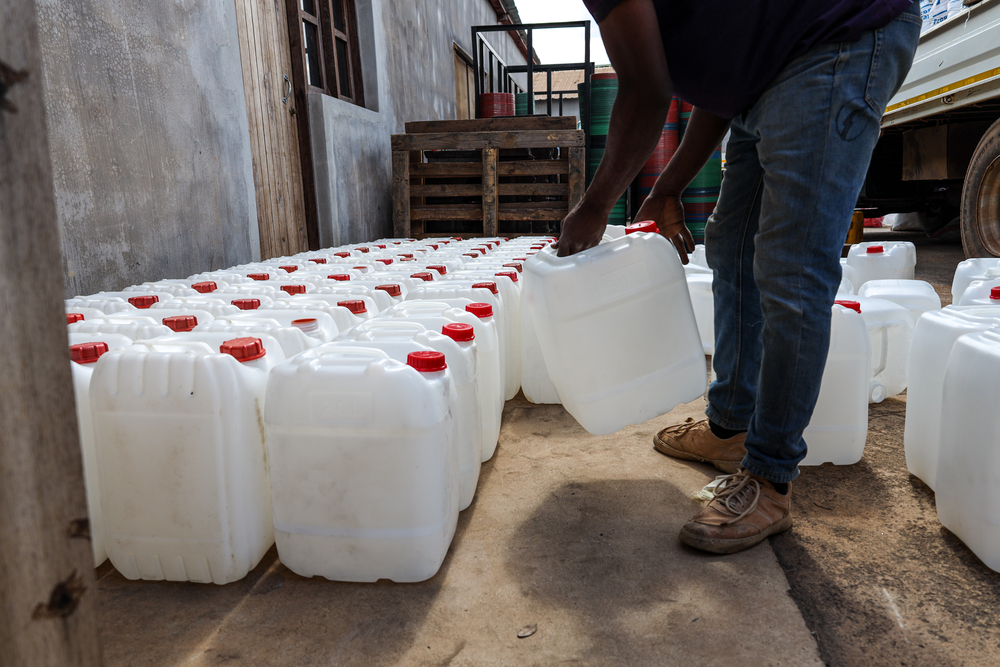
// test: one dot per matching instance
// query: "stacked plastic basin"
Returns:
(603, 90)
(665, 148)
(492, 105)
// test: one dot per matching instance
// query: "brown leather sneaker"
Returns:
(694, 441)
(746, 509)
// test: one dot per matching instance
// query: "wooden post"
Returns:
(490, 191)
(48, 597)
(401, 194)
(577, 175)
(856, 233)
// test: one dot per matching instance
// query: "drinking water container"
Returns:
(180, 445)
(838, 428)
(581, 307)
(933, 340)
(890, 327)
(977, 268)
(981, 293)
(535, 380)
(364, 470)
(703, 304)
(916, 296)
(136, 328)
(887, 260)
(967, 491)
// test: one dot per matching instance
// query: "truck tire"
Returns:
(981, 198)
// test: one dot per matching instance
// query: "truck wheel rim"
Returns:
(988, 208)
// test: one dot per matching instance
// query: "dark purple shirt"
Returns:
(722, 54)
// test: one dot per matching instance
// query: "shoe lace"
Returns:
(738, 494)
(686, 426)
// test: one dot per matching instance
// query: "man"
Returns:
(803, 85)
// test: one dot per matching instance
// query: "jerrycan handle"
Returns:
(175, 346)
(335, 354)
(391, 324)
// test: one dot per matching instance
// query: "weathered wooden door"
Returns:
(274, 141)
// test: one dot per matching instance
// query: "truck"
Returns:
(939, 150)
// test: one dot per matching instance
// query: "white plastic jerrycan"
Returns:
(180, 444)
(703, 304)
(584, 305)
(916, 296)
(293, 339)
(977, 268)
(436, 316)
(968, 470)
(848, 279)
(839, 426)
(84, 355)
(981, 293)
(535, 380)
(106, 305)
(200, 304)
(364, 469)
(401, 337)
(890, 327)
(887, 260)
(933, 340)
(135, 328)
(81, 314)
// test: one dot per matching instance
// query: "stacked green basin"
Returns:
(603, 89)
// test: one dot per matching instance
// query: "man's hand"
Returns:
(668, 213)
(583, 228)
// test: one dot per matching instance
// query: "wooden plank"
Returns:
(531, 214)
(531, 205)
(48, 596)
(492, 124)
(465, 212)
(401, 194)
(534, 189)
(511, 168)
(577, 175)
(480, 140)
(445, 190)
(490, 156)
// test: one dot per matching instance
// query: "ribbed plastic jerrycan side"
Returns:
(364, 470)
(977, 268)
(968, 468)
(933, 340)
(508, 285)
(583, 304)
(838, 428)
(178, 423)
(401, 337)
(917, 296)
(490, 370)
(703, 304)
(535, 380)
(886, 260)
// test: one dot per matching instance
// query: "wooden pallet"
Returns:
(485, 175)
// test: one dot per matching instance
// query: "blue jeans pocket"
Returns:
(894, 46)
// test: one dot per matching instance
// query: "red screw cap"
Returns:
(408, 259)
(490, 286)
(537, 247)
(258, 276)
(306, 324)
(380, 246)
(853, 305)
(293, 289)
(74, 317)
(456, 238)
(87, 353)
(246, 304)
(470, 254)
(341, 277)
(181, 323)
(480, 310)
(646, 227)
(393, 290)
(426, 276)
(318, 260)
(289, 268)
(244, 349)
(482, 250)
(510, 274)
(408, 255)
(356, 306)
(205, 287)
(994, 295)
(459, 332)
(363, 249)
(433, 245)
(426, 361)
(515, 265)
(362, 269)
(386, 261)
(342, 254)
(440, 268)
(874, 249)
(143, 301)
(520, 259)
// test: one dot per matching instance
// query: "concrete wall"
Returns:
(149, 138)
(409, 74)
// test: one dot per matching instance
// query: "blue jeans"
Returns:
(795, 164)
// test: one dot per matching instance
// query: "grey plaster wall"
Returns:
(149, 139)
(409, 74)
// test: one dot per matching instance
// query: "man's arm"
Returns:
(632, 38)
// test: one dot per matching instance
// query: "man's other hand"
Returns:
(668, 213)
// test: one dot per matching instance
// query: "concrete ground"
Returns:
(576, 534)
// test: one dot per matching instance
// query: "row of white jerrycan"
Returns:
(972, 270)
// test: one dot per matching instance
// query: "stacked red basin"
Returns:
(496, 104)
